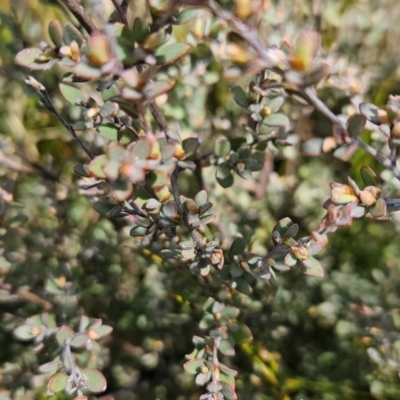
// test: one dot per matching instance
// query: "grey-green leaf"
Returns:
(240, 97)
(72, 94)
(355, 125)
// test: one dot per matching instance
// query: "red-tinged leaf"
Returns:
(346, 151)
(155, 89)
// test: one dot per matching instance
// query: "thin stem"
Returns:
(319, 105)
(79, 13)
(48, 105)
(159, 117)
(175, 190)
(121, 12)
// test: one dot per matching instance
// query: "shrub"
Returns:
(181, 194)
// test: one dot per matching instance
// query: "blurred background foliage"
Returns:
(323, 339)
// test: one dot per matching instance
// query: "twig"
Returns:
(321, 107)
(48, 105)
(121, 12)
(175, 190)
(159, 117)
(79, 13)
(13, 165)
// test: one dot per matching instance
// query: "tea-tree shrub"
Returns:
(168, 191)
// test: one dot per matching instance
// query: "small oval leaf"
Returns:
(95, 380)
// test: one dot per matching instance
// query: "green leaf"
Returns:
(379, 209)
(169, 209)
(214, 386)
(72, 94)
(17, 220)
(55, 33)
(207, 321)
(190, 165)
(313, 267)
(108, 131)
(241, 333)
(238, 246)
(103, 330)
(276, 120)
(152, 205)
(79, 340)
(240, 97)
(369, 176)
(370, 111)
(222, 147)
(139, 30)
(202, 379)
(226, 182)
(230, 312)
(57, 382)
(28, 58)
(194, 366)
(96, 166)
(241, 285)
(275, 104)
(50, 367)
(290, 260)
(122, 189)
(345, 152)
(186, 16)
(228, 391)
(110, 93)
(190, 146)
(171, 52)
(103, 206)
(355, 125)
(27, 332)
(95, 381)
(71, 33)
(226, 348)
(201, 198)
(138, 231)
(226, 370)
(82, 170)
(282, 226)
(224, 170)
(64, 333)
